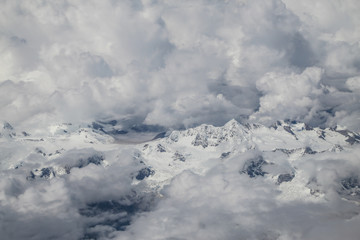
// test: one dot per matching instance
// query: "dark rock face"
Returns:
(308, 127)
(351, 136)
(179, 156)
(83, 162)
(350, 188)
(254, 166)
(289, 130)
(8, 130)
(350, 182)
(95, 159)
(286, 151)
(25, 134)
(143, 173)
(160, 148)
(225, 155)
(107, 127)
(39, 151)
(31, 176)
(97, 126)
(160, 135)
(322, 134)
(308, 150)
(276, 125)
(93, 209)
(114, 214)
(200, 141)
(8, 126)
(286, 177)
(46, 173)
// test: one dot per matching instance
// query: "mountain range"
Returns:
(303, 165)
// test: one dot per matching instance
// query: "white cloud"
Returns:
(128, 59)
(289, 96)
(176, 63)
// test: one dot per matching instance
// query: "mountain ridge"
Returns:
(110, 185)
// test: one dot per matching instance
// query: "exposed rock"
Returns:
(143, 173)
(286, 151)
(179, 156)
(97, 126)
(308, 150)
(160, 148)
(40, 151)
(200, 141)
(44, 173)
(289, 130)
(351, 136)
(308, 127)
(254, 166)
(160, 135)
(115, 214)
(25, 134)
(7, 126)
(225, 155)
(350, 188)
(47, 173)
(286, 177)
(95, 159)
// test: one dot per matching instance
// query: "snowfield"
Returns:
(238, 181)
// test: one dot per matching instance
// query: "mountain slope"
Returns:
(235, 172)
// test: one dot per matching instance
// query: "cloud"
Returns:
(128, 60)
(289, 96)
(223, 204)
(176, 64)
(69, 205)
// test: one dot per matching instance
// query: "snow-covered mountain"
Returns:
(112, 185)
(276, 153)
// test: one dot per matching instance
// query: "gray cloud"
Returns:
(175, 64)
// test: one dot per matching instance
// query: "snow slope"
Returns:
(112, 187)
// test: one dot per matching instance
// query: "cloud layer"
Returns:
(177, 63)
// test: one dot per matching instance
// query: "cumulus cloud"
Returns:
(290, 96)
(175, 64)
(166, 63)
(68, 205)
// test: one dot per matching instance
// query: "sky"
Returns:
(180, 63)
